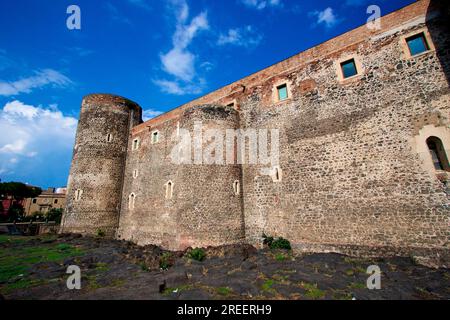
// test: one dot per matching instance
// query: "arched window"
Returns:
(131, 200)
(438, 154)
(236, 187)
(109, 137)
(169, 190)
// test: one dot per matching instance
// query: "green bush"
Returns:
(279, 243)
(197, 254)
(165, 261)
(54, 215)
(100, 233)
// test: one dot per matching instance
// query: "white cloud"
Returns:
(244, 37)
(148, 114)
(178, 88)
(29, 131)
(326, 17)
(262, 4)
(40, 79)
(179, 62)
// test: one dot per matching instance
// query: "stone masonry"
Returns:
(355, 173)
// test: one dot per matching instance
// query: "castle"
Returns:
(364, 135)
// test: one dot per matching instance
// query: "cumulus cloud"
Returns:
(326, 17)
(262, 4)
(179, 89)
(244, 37)
(41, 78)
(179, 61)
(148, 114)
(34, 138)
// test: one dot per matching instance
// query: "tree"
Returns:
(18, 191)
(54, 215)
(15, 212)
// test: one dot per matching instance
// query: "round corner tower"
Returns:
(210, 194)
(94, 187)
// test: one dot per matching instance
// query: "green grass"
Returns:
(101, 266)
(357, 285)
(267, 285)
(312, 291)
(280, 257)
(224, 291)
(15, 261)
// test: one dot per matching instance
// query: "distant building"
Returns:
(7, 203)
(49, 199)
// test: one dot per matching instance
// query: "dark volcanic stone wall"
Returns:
(356, 173)
(98, 165)
(203, 209)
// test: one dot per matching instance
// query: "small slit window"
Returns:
(135, 144)
(169, 190)
(135, 173)
(282, 92)
(155, 137)
(276, 174)
(109, 137)
(236, 187)
(438, 154)
(78, 194)
(131, 201)
(349, 68)
(417, 44)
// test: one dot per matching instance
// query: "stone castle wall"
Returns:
(354, 166)
(98, 164)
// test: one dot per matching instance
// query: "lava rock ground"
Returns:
(35, 268)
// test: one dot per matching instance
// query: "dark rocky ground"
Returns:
(35, 268)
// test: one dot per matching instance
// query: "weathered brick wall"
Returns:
(355, 168)
(351, 171)
(203, 210)
(98, 165)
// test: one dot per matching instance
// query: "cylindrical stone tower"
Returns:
(94, 187)
(210, 194)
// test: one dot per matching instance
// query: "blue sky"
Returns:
(158, 53)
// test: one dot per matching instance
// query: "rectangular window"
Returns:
(349, 68)
(417, 44)
(135, 145)
(155, 137)
(34, 200)
(282, 92)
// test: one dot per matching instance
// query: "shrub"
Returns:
(100, 233)
(165, 261)
(279, 243)
(54, 215)
(267, 240)
(197, 254)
